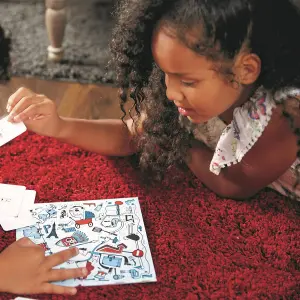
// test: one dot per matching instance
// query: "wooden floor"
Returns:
(76, 100)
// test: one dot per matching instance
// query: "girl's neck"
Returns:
(246, 94)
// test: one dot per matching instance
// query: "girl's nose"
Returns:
(173, 91)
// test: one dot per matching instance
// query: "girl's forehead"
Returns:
(173, 56)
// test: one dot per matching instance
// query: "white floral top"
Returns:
(231, 143)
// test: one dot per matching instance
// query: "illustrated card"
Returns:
(110, 235)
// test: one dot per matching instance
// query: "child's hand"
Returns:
(36, 111)
(24, 269)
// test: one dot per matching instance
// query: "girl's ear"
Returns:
(247, 68)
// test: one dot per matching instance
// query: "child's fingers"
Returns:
(16, 97)
(25, 242)
(24, 103)
(60, 257)
(26, 108)
(49, 288)
(64, 274)
(30, 113)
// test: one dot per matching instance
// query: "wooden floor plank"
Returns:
(73, 99)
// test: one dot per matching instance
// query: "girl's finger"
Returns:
(16, 97)
(49, 288)
(64, 274)
(30, 113)
(29, 104)
(60, 257)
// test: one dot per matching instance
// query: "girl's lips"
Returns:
(185, 111)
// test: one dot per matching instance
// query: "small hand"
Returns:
(24, 269)
(38, 112)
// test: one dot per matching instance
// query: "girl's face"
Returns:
(192, 80)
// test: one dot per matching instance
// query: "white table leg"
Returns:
(55, 19)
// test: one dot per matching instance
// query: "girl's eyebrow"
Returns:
(200, 72)
(179, 74)
(188, 75)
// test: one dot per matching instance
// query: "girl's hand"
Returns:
(24, 269)
(36, 111)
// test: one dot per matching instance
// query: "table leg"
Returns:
(55, 19)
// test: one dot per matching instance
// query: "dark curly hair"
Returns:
(5, 43)
(265, 26)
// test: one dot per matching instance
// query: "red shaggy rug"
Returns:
(203, 247)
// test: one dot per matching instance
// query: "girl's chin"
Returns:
(196, 120)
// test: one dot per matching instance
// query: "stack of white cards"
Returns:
(15, 201)
(15, 205)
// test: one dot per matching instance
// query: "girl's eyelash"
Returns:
(190, 84)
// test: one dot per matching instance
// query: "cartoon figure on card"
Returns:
(44, 214)
(81, 216)
(77, 212)
(77, 238)
(112, 216)
(33, 232)
(63, 214)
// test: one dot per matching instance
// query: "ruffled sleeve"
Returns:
(249, 122)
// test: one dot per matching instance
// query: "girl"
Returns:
(24, 269)
(215, 84)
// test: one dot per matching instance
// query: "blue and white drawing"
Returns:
(109, 234)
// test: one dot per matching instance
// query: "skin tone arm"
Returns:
(107, 137)
(268, 159)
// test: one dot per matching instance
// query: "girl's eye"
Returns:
(188, 83)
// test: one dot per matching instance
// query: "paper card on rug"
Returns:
(9, 131)
(24, 218)
(110, 235)
(11, 198)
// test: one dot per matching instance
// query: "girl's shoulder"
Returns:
(248, 124)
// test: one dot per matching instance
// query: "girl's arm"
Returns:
(272, 155)
(107, 137)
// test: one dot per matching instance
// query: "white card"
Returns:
(25, 217)
(11, 197)
(9, 131)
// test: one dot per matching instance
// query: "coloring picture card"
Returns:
(110, 236)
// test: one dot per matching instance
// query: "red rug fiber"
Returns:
(203, 247)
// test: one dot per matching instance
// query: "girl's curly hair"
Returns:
(4, 55)
(264, 26)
